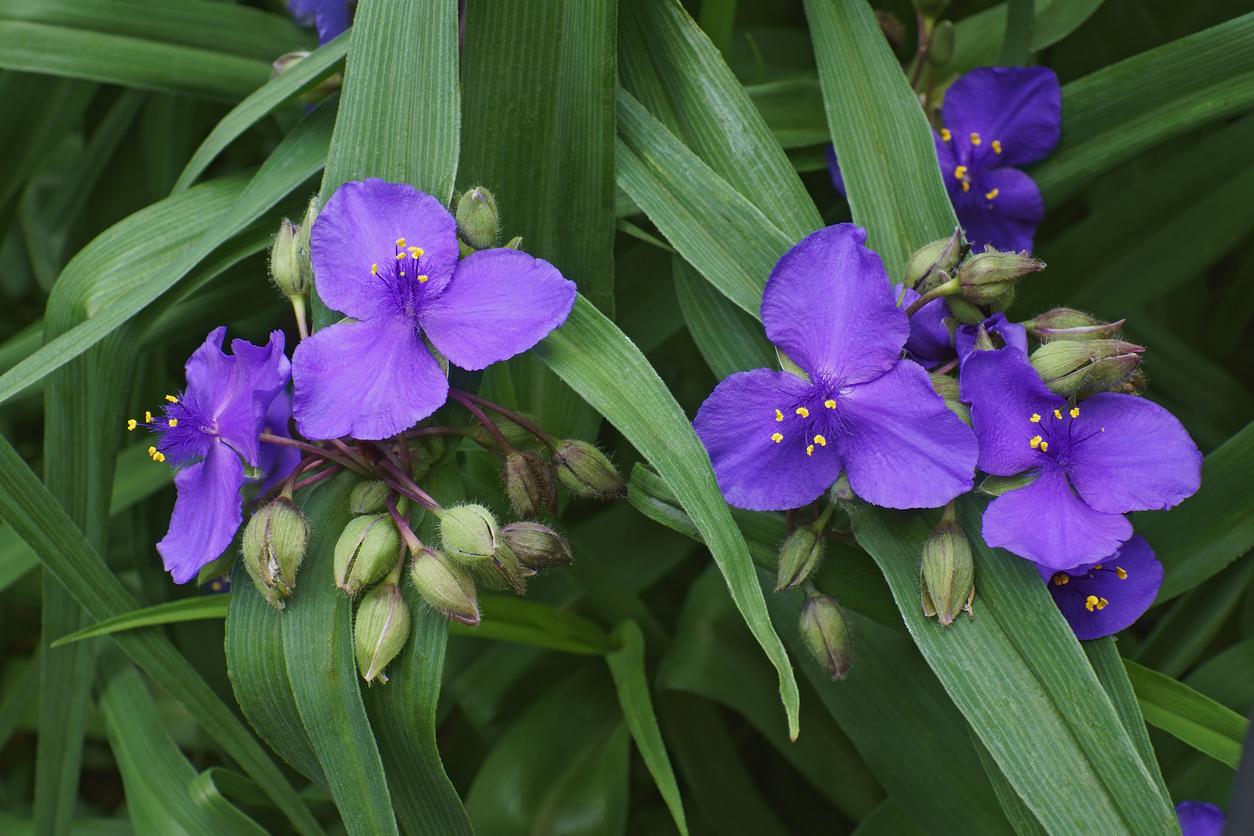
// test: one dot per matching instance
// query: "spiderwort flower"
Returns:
(1094, 462)
(209, 431)
(932, 342)
(778, 440)
(1100, 599)
(385, 254)
(330, 16)
(277, 460)
(1197, 818)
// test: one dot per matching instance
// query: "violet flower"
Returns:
(1093, 462)
(277, 460)
(1011, 334)
(778, 440)
(385, 254)
(331, 17)
(1197, 818)
(209, 431)
(1100, 599)
(995, 120)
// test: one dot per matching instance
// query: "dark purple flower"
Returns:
(277, 460)
(209, 431)
(1100, 599)
(996, 119)
(1012, 334)
(778, 440)
(1197, 818)
(330, 16)
(931, 342)
(1093, 462)
(385, 254)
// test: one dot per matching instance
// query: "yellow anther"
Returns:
(374, 269)
(803, 412)
(946, 135)
(829, 403)
(131, 424)
(173, 422)
(1101, 603)
(1058, 414)
(810, 450)
(402, 274)
(147, 417)
(152, 451)
(820, 440)
(1044, 446)
(171, 399)
(400, 256)
(422, 279)
(1123, 576)
(1035, 419)
(1060, 578)
(777, 437)
(779, 416)
(992, 194)
(966, 186)
(400, 242)
(960, 171)
(1075, 412)
(1097, 567)
(1035, 442)
(996, 146)
(1091, 602)
(416, 252)
(975, 138)
(160, 457)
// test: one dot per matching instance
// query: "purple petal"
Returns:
(500, 303)
(369, 380)
(1012, 334)
(278, 460)
(829, 305)
(206, 513)
(359, 228)
(1048, 524)
(1197, 818)
(902, 447)
(736, 424)
(1007, 220)
(1131, 454)
(332, 18)
(833, 168)
(930, 342)
(1122, 585)
(1019, 107)
(1005, 392)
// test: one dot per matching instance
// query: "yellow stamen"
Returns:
(1060, 578)
(1035, 419)
(1075, 412)
(810, 450)
(173, 422)
(147, 417)
(946, 135)
(966, 186)
(374, 269)
(777, 437)
(131, 424)
(152, 451)
(829, 403)
(1035, 442)
(1097, 567)
(422, 279)
(975, 138)
(992, 194)
(400, 242)
(803, 412)
(416, 252)
(1101, 603)
(1058, 414)
(160, 457)
(1044, 446)
(996, 146)
(820, 440)
(171, 399)
(960, 171)
(1091, 602)
(1123, 576)
(779, 416)
(400, 256)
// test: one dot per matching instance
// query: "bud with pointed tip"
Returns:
(285, 261)
(368, 497)
(986, 277)
(445, 586)
(585, 471)
(503, 571)
(536, 546)
(469, 533)
(274, 546)
(1079, 369)
(1068, 324)
(841, 493)
(825, 633)
(368, 547)
(477, 221)
(380, 630)
(518, 436)
(947, 573)
(802, 552)
(515, 243)
(933, 264)
(529, 484)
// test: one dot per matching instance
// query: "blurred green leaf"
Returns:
(527, 622)
(184, 609)
(1196, 719)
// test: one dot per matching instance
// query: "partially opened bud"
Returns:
(444, 586)
(585, 471)
(800, 555)
(285, 261)
(529, 484)
(825, 633)
(503, 571)
(380, 630)
(1078, 369)
(947, 573)
(1068, 324)
(369, 546)
(469, 533)
(536, 546)
(274, 546)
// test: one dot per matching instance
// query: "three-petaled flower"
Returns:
(209, 431)
(1100, 599)
(385, 254)
(1093, 462)
(778, 440)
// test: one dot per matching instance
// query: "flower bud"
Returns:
(947, 388)
(585, 471)
(842, 494)
(985, 277)
(1068, 324)
(518, 436)
(366, 550)
(285, 262)
(380, 630)
(963, 311)
(469, 533)
(445, 586)
(1079, 369)
(923, 271)
(274, 546)
(515, 243)
(502, 571)
(369, 497)
(947, 573)
(529, 484)
(477, 221)
(825, 633)
(941, 50)
(799, 556)
(536, 546)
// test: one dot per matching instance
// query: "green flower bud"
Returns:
(469, 533)
(825, 633)
(941, 50)
(285, 267)
(963, 311)
(529, 483)
(985, 277)
(948, 573)
(947, 388)
(536, 546)
(369, 497)
(477, 221)
(925, 268)
(998, 485)
(369, 546)
(842, 494)
(380, 630)
(518, 436)
(274, 546)
(1079, 369)
(515, 243)
(800, 555)
(1068, 324)
(585, 471)
(503, 571)
(444, 586)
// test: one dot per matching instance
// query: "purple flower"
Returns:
(1093, 462)
(385, 254)
(931, 342)
(1011, 333)
(1197, 818)
(996, 119)
(1100, 599)
(209, 432)
(778, 440)
(330, 16)
(277, 460)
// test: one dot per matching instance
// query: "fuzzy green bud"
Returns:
(445, 586)
(369, 497)
(516, 435)
(368, 547)
(274, 546)
(477, 221)
(585, 471)
(825, 633)
(935, 262)
(469, 533)
(842, 494)
(1068, 324)
(986, 277)
(529, 484)
(503, 571)
(947, 573)
(380, 630)
(285, 267)
(800, 555)
(963, 311)
(1079, 369)
(536, 546)
(947, 388)
(941, 49)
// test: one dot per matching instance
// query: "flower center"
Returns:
(812, 422)
(186, 431)
(966, 174)
(1098, 574)
(1052, 434)
(404, 277)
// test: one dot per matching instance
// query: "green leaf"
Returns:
(594, 357)
(184, 609)
(528, 622)
(728, 338)
(1196, 719)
